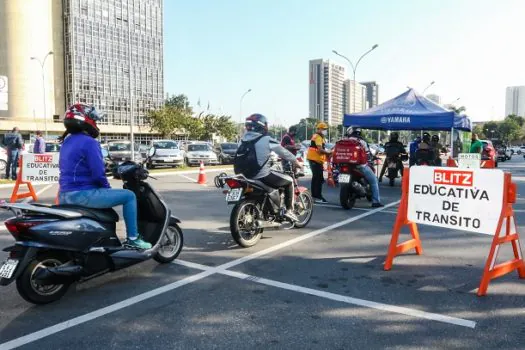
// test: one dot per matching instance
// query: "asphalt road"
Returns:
(321, 287)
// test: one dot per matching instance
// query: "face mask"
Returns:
(324, 132)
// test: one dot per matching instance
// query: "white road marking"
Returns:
(337, 297)
(29, 338)
(187, 178)
(38, 193)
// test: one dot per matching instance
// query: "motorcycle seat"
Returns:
(102, 215)
(263, 185)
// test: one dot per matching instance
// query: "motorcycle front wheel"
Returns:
(243, 223)
(304, 205)
(347, 197)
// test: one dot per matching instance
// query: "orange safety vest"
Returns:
(313, 151)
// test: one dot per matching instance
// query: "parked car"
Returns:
(226, 152)
(167, 153)
(52, 147)
(3, 160)
(515, 150)
(120, 151)
(504, 153)
(200, 152)
(489, 152)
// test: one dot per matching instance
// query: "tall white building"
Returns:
(353, 91)
(435, 98)
(326, 91)
(515, 101)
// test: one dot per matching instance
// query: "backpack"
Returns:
(349, 151)
(245, 161)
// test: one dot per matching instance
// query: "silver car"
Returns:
(167, 152)
(200, 152)
(120, 151)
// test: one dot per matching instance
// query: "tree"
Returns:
(179, 102)
(478, 129)
(167, 121)
(491, 129)
(509, 130)
(276, 131)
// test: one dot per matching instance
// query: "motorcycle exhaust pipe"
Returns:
(266, 224)
(58, 274)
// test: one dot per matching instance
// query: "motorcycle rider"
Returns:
(288, 142)
(393, 149)
(425, 151)
(257, 128)
(413, 148)
(438, 148)
(82, 176)
(355, 132)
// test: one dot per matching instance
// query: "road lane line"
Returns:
(29, 338)
(336, 297)
(38, 193)
(187, 178)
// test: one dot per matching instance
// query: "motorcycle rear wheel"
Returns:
(40, 294)
(347, 197)
(243, 223)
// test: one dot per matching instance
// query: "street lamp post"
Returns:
(425, 89)
(42, 63)
(240, 111)
(354, 68)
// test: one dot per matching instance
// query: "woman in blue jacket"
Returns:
(83, 179)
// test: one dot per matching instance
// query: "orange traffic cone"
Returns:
(202, 175)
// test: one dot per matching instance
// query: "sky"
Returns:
(214, 51)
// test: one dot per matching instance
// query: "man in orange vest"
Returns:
(317, 156)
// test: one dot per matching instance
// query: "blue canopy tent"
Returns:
(408, 111)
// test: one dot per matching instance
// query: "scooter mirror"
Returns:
(151, 152)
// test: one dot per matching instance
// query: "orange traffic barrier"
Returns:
(451, 162)
(401, 221)
(202, 175)
(511, 235)
(491, 270)
(485, 164)
(15, 195)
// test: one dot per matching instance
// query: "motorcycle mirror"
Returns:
(105, 153)
(152, 152)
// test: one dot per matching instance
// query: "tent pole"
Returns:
(452, 142)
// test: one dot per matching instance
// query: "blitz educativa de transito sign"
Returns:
(461, 199)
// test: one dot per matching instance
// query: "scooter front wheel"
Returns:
(36, 293)
(171, 244)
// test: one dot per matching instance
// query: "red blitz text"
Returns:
(45, 158)
(453, 177)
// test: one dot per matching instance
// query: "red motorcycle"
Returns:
(353, 184)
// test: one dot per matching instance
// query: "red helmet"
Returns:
(82, 118)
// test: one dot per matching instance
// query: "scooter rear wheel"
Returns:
(171, 245)
(34, 292)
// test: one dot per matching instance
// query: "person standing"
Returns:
(14, 143)
(317, 156)
(40, 144)
(476, 146)
(288, 142)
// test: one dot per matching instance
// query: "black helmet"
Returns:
(426, 137)
(258, 123)
(82, 118)
(292, 129)
(435, 138)
(394, 137)
(353, 131)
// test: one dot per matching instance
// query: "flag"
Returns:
(208, 106)
(199, 102)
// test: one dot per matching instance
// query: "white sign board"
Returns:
(40, 167)
(461, 199)
(469, 160)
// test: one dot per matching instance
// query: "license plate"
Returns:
(168, 159)
(123, 159)
(8, 268)
(234, 195)
(344, 178)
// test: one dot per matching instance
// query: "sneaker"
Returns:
(320, 201)
(377, 205)
(138, 243)
(291, 215)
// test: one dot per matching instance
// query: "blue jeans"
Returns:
(12, 163)
(102, 198)
(372, 180)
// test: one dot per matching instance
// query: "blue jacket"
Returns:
(81, 164)
(413, 146)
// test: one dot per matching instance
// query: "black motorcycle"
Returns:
(259, 206)
(353, 184)
(394, 166)
(62, 244)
